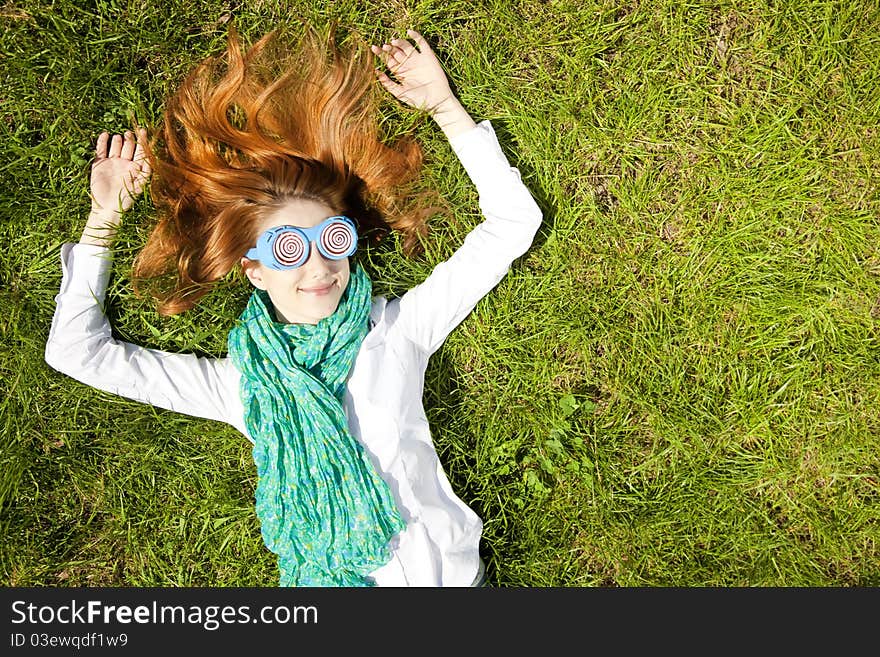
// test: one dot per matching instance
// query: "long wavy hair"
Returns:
(245, 133)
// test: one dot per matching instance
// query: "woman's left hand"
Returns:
(419, 80)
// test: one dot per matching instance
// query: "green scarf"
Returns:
(323, 509)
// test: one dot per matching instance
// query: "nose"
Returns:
(316, 263)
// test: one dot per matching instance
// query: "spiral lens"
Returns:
(289, 248)
(337, 240)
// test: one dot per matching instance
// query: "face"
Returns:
(311, 292)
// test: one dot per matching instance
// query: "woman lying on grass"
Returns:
(283, 173)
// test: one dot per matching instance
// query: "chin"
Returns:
(325, 310)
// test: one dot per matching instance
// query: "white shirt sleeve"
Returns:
(430, 310)
(80, 345)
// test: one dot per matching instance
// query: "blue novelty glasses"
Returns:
(288, 247)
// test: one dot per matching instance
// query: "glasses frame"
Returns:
(263, 251)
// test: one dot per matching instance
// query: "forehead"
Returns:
(303, 213)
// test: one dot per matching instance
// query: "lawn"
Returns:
(677, 385)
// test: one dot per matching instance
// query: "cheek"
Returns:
(282, 280)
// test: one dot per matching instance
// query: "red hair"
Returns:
(236, 144)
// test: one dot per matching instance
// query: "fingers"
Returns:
(101, 146)
(140, 154)
(419, 39)
(387, 82)
(395, 53)
(404, 46)
(115, 146)
(120, 171)
(384, 53)
(128, 145)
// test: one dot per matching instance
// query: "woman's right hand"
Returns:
(119, 172)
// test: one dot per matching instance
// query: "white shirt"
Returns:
(383, 400)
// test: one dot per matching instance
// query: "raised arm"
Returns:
(429, 311)
(119, 172)
(420, 82)
(80, 343)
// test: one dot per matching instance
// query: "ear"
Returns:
(254, 272)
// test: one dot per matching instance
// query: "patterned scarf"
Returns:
(323, 509)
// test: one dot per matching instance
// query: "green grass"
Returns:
(679, 384)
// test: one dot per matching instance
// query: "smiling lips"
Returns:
(318, 291)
